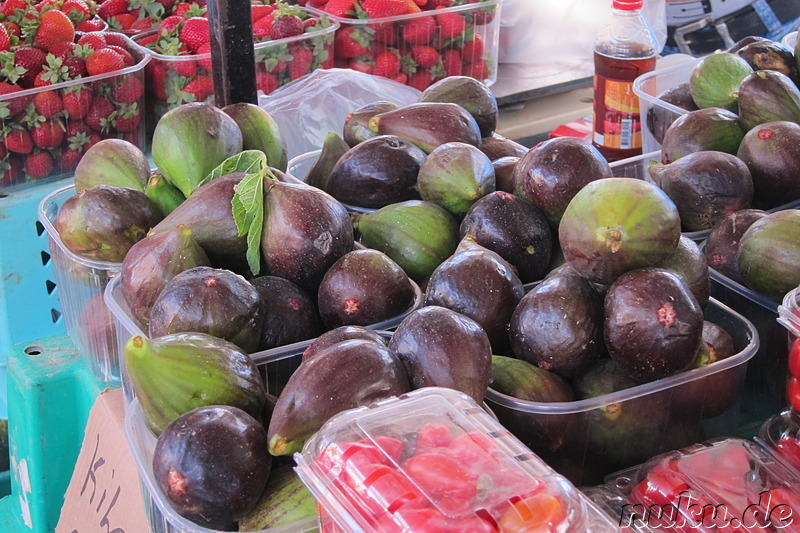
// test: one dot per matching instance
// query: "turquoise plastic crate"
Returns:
(29, 307)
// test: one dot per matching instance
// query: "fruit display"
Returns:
(64, 87)
(289, 43)
(133, 17)
(416, 42)
(433, 460)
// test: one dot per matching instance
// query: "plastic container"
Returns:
(789, 314)
(370, 37)
(588, 439)
(392, 484)
(718, 485)
(131, 129)
(80, 283)
(648, 87)
(299, 167)
(790, 40)
(126, 326)
(167, 75)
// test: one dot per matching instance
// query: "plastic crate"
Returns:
(168, 75)
(126, 326)
(482, 23)
(99, 86)
(570, 435)
(81, 282)
(356, 500)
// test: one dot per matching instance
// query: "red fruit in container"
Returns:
(111, 8)
(352, 42)
(341, 8)
(262, 27)
(126, 56)
(76, 67)
(32, 59)
(11, 169)
(300, 65)
(195, 33)
(104, 61)
(63, 50)
(18, 141)
(286, 26)
(147, 41)
(97, 117)
(168, 24)
(421, 79)
(48, 134)
(200, 88)
(128, 91)
(479, 71)
(266, 82)
(93, 24)
(77, 101)
(128, 118)
(69, 160)
(76, 128)
(76, 10)
(425, 56)
(794, 359)
(387, 64)
(5, 40)
(94, 40)
(38, 165)
(48, 103)
(259, 11)
(186, 68)
(8, 7)
(481, 16)
(453, 63)
(123, 21)
(419, 30)
(205, 62)
(385, 8)
(473, 50)
(147, 23)
(451, 24)
(15, 105)
(361, 65)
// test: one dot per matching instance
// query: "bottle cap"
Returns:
(628, 5)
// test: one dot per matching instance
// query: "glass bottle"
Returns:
(625, 48)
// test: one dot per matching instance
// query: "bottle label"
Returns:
(616, 108)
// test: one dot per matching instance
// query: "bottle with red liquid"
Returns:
(625, 48)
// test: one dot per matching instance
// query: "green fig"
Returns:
(259, 132)
(333, 148)
(470, 94)
(428, 125)
(164, 196)
(112, 162)
(455, 176)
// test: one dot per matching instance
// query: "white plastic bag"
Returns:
(309, 108)
(562, 31)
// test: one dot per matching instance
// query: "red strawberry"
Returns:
(77, 102)
(262, 27)
(9, 7)
(128, 118)
(94, 40)
(204, 62)
(385, 33)
(38, 165)
(12, 28)
(341, 8)
(200, 88)
(286, 26)
(128, 91)
(186, 68)
(479, 70)
(451, 24)
(76, 10)
(310, 23)
(419, 30)
(104, 61)
(69, 160)
(63, 50)
(157, 83)
(110, 8)
(401, 77)
(433, 4)
(91, 25)
(123, 21)
(48, 103)
(473, 50)
(3, 151)
(115, 39)
(384, 8)
(482, 15)
(300, 65)
(19, 141)
(195, 32)
(147, 40)
(361, 65)
(421, 79)
(259, 11)
(98, 116)
(169, 24)
(77, 128)
(425, 56)
(266, 82)
(12, 170)
(387, 64)
(48, 134)
(352, 42)
(127, 58)
(75, 66)
(144, 24)
(94, 138)
(32, 59)
(452, 61)
(45, 5)
(14, 105)
(5, 40)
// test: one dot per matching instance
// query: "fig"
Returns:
(212, 465)
(769, 252)
(722, 245)
(333, 148)
(176, 373)
(102, 223)
(659, 118)
(285, 501)
(356, 124)
(290, 314)
(114, 162)
(470, 94)
(455, 175)
(364, 287)
(209, 300)
(711, 128)
(164, 196)
(191, 140)
(768, 96)
(771, 152)
(340, 334)
(496, 146)
(715, 79)
(690, 264)
(154, 261)
(428, 125)
(259, 132)
(504, 173)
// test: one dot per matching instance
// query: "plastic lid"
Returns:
(628, 5)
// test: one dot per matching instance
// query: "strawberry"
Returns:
(99, 116)
(63, 50)
(76, 67)
(472, 52)
(38, 165)
(128, 91)
(479, 70)
(401, 77)
(387, 64)
(433, 4)
(147, 40)
(341, 8)
(204, 62)
(115, 39)
(128, 118)
(69, 160)
(186, 68)
(9, 7)
(376, 9)
(351, 42)
(123, 21)
(195, 32)
(385, 33)
(419, 30)
(76, 10)
(263, 27)
(361, 65)
(259, 11)
(48, 103)
(31, 59)
(91, 25)
(94, 40)
(94, 138)
(53, 72)
(286, 26)
(482, 15)
(425, 56)
(104, 61)
(421, 79)
(300, 65)
(200, 88)
(158, 76)
(144, 24)
(19, 141)
(45, 5)
(12, 28)
(11, 168)
(48, 134)
(12, 106)
(77, 129)
(5, 39)
(127, 58)
(451, 24)
(111, 8)
(167, 5)
(452, 61)
(166, 26)
(77, 102)
(266, 82)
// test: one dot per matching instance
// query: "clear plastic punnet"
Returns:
(80, 283)
(433, 458)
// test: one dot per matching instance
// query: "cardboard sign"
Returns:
(104, 494)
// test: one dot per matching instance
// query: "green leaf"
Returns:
(248, 161)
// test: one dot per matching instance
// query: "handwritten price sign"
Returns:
(104, 495)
